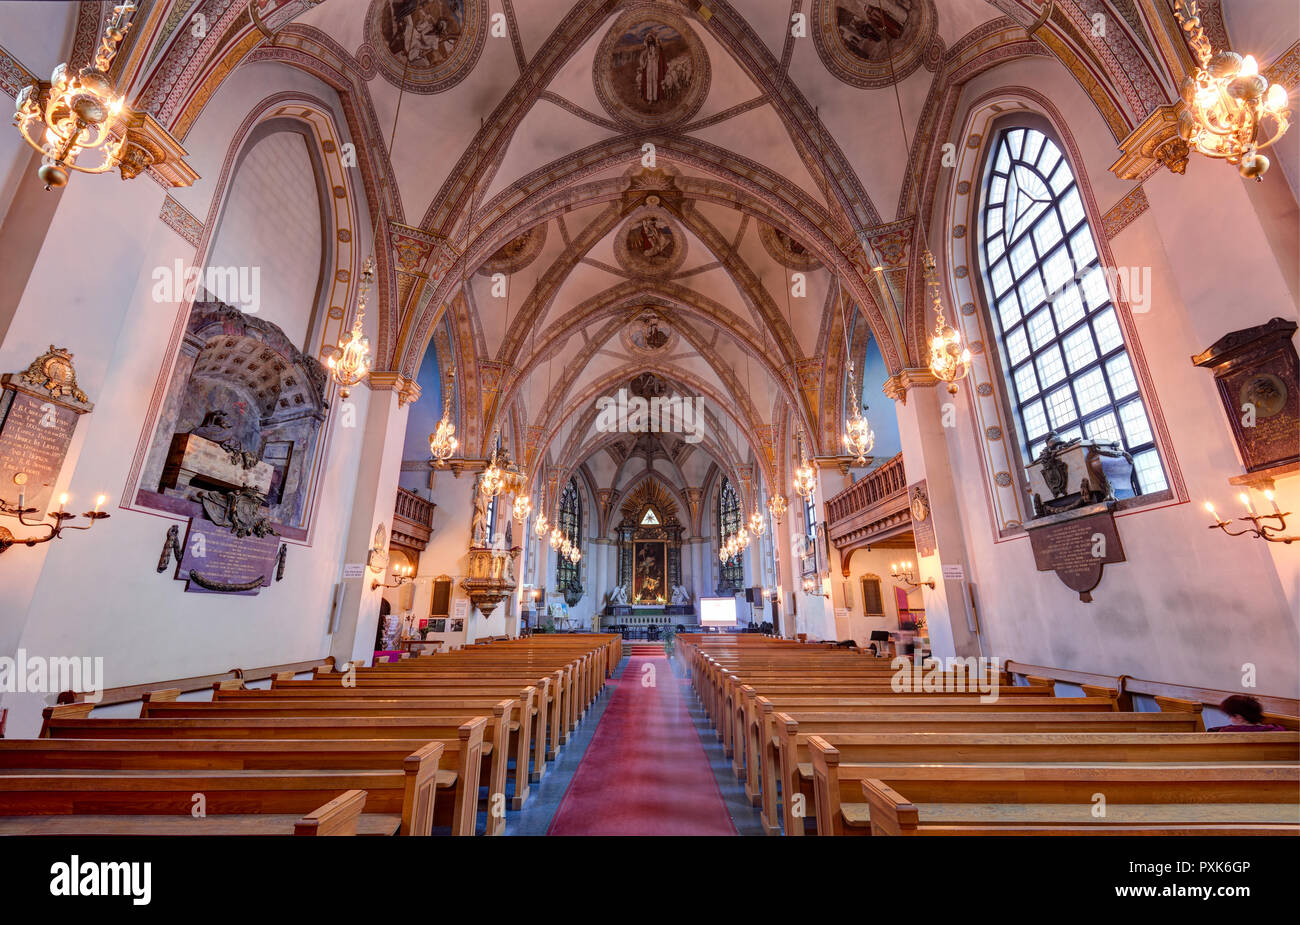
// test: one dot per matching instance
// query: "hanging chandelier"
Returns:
(757, 522)
(949, 360)
(1229, 109)
(575, 554)
(858, 435)
(77, 113)
(542, 525)
(523, 507)
(493, 480)
(350, 364)
(443, 442)
(777, 505)
(805, 478)
(556, 538)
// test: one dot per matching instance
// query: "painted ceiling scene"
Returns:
(708, 199)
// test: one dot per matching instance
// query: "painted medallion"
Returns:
(435, 43)
(651, 69)
(872, 43)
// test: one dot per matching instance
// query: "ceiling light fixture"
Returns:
(1229, 111)
(443, 443)
(78, 111)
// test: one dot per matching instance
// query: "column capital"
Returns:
(897, 385)
(1155, 141)
(408, 390)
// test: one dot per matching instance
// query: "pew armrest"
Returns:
(337, 817)
(891, 812)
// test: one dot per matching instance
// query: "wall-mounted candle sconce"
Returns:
(1257, 528)
(903, 572)
(54, 530)
(402, 573)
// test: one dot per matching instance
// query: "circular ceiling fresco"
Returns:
(857, 39)
(650, 243)
(516, 253)
(434, 42)
(651, 69)
(785, 250)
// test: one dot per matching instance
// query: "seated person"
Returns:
(1245, 715)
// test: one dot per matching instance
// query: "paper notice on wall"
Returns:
(954, 573)
(461, 609)
(354, 570)
(841, 613)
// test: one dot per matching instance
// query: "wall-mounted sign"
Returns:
(922, 522)
(354, 570)
(954, 572)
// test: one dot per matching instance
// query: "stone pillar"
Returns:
(919, 403)
(376, 492)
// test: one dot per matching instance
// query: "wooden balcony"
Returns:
(412, 519)
(871, 512)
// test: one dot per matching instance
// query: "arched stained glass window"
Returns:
(1061, 344)
(566, 572)
(733, 570)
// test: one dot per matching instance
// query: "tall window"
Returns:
(566, 572)
(733, 570)
(1060, 341)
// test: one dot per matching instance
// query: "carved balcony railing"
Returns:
(412, 519)
(869, 511)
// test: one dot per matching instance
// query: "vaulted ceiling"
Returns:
(547, 207)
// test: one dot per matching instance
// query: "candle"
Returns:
(63, 500)
(1269, 496)
(99, 502)
(1245, 499)
(1210, 507)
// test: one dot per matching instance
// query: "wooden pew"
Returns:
(400, 799)
(496, 737)
(1028, 799)
(841, 762)
(462, 751)
(786, 747)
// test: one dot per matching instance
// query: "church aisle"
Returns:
(645, 772)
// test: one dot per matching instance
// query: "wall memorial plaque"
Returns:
(217, 561)
(39, 409)
(1258, 375)
(922, 521)
(1076, 545)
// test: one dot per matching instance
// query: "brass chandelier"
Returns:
(351, 363)
(949, 360)
(859, 438)
(777, 505)
(443, 442)
(1229, 110)
(805, 477)
(78, 113)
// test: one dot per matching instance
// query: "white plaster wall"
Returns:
(1189, 605)
(98, 593)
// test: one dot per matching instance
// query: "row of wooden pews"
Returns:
(824, 733)
(398, 748)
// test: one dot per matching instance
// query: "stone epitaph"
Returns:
(1258, 376)
(39, 409)
(922, 522)
(1076, 545)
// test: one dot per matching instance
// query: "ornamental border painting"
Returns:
(446, 36)
(650, 243)
(851, 37)
(647, 40)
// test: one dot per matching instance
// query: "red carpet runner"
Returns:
(645, 772)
